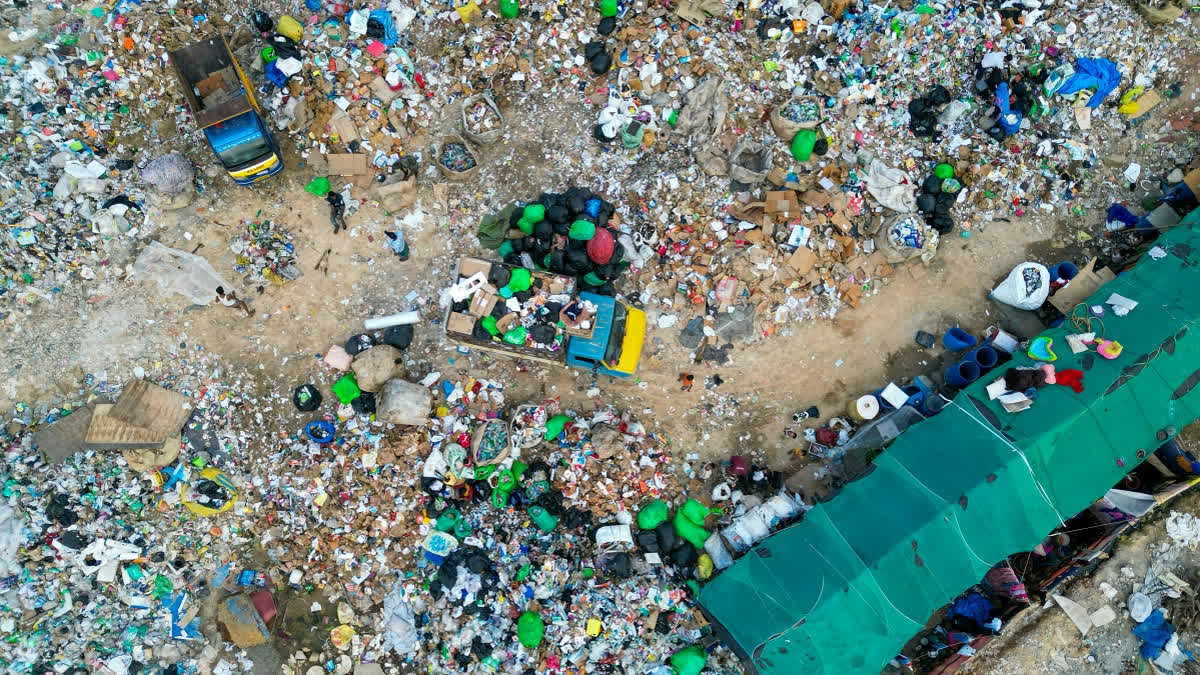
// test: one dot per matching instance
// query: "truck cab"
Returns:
(222, 101)
(616, 345)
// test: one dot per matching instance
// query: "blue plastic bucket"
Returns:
(957, 339)
(916, 396)
(985, 357)
(962, 373)
(932, 405)
(1065, 270)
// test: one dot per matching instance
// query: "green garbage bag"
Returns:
(689, 522)
(318, 186)
(346, 388)
(592, 280)
(505, 248)
(554, 426)
(630, 141)
(515, 336)
(525, 226)
(608, 8)
(802, 144)
(520, 280)
(493, 228)
(534, 213)
(653, 514)
(505, 292)
(542, 518)
(689, 660)
(447, 519)
(509, 9)
(462, 529)
(489, 324)
(582, 230)
(530, 629)
(943, 171)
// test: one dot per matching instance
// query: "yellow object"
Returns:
(594, 627)
(341, 636)
(705, 566)
(631, 345)
(290, 28)
(1129, 101)
(250, 171)
(220, 478)
(468, 10)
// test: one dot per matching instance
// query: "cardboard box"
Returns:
(482, 303)
(782, 201)
(802, 260)
(467, 267)
(1083, 285)
(347, 165)
(462, 324)
(815, 198)
(508, 322)
(1193, 182)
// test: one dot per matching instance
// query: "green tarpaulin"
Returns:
(845, 588)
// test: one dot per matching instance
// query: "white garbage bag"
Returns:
(399, 623)
(891, 188)
(1026, 287)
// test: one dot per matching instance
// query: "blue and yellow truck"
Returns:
(222, 102)
(611, 346)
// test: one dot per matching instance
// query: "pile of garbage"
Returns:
(264, 249)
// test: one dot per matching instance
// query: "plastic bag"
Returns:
(179, 272)
(653, 514)
(318, 186)
(689, 660)
(555, 426)
(530, 630)
(688, 522)
(1026, 287)
(715, 549)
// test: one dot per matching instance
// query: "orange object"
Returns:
(128, 43)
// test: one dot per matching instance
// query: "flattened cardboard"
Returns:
(346, 164)
(482, 303)
(65, 437)
(782, 201)
(108, 433)
(149, 406)
(802, 260)
(467, 267)
(1083, 285)
(463, 324)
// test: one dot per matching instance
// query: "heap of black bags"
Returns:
(924, 112)
(587, 247)
(938, 194)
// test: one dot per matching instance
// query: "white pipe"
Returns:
(376, 323)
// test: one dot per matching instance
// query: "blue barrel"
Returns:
(985, 357)
(962, 373)
(916, 396)
(957, 339)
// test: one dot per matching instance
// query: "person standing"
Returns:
(398, 244)
(231, 299)
(337, 210)
(739, 15)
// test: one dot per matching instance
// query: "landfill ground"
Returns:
(80, 330)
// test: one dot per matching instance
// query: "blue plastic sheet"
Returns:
(1099, 73)
(1118, 213)
(275, 75)
(390, 36)
(1155, 632)
(1010, 120)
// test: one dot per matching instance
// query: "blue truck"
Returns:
(222, 102)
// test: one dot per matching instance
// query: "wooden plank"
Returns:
(147, 405)
(109, 433)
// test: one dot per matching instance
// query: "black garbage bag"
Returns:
(592, 49)
(59, 510)
(499, 310)
(461, 306)
(932, 185)
(557, 261)
(74, 540)
(550, 200)
(607, 25)
(926, 202)
(577, 261)
(478, 332)
(514, 217)
(523, 296)
(477, 561)
(577, 201)
(448, 573)
(261, 21)
(618, 253)
(285, 48)
(684, 556)
(601, 63)
(575, 518)
(544, 232)
(376, 29)
(364, 404)
(665, 533)
(606, 213)
(647, 540)
(820, 147)
(499, 276)
(558, 214)
(599, 135)
(944, 202)
(358, 343)
(938, 96)
(620, 565)
(943, 223)
(399, 337)
(306, 398)
(518, 245)
(543, 333)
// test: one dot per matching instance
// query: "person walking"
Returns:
(337, 210)
(398, 244)
(231, 299)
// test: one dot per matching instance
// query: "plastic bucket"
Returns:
(962, 373)
(985, 357)
(957, 339)
(932, 405)
(1064, 270)
(916, 396)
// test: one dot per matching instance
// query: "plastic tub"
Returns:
(1065, 270)
(962, 373)
(957, 339)
(985, 357)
